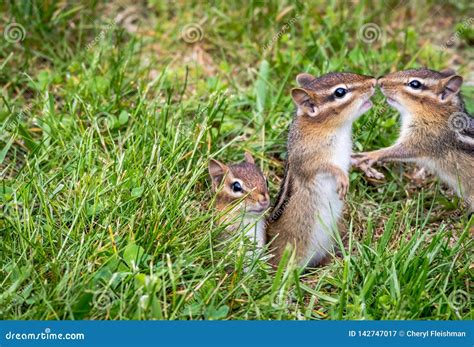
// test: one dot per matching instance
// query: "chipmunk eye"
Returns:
(236, 187)
(415, 84)
(340, 92)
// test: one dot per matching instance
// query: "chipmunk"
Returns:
(310, 201)
(437, 132)
(245, 182)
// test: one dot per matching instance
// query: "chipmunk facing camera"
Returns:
(242, 193)
(437, 132)
(310, 201)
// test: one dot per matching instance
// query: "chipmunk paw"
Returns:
(364, 161)
(342, 186)
(372, 173)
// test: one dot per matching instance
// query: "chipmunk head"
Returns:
(243, 181)
(422, 91)
(334, 98)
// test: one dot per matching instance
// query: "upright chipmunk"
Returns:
(245, 182)
(437, 132)
(309, 204)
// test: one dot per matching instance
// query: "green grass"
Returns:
(105, 139)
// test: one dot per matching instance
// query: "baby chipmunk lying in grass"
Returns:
(437, 132)
(309, 204)
(242, 194)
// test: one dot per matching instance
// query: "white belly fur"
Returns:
(431, 166)
(326, 199)
(328, 212)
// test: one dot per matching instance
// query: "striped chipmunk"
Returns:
(309, 206)
(437, 132)
(242, 196)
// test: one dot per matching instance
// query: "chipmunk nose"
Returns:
(380, 81)
(373, 82)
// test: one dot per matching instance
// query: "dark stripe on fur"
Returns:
(283, 196)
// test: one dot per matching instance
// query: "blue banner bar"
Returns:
(236, 333)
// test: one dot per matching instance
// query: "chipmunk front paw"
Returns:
(342, 181)
(372, 173)
(364, 161)
(368, 158)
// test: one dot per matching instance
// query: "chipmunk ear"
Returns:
(304, 102)
(217, 171)
(305, 79)
(450, 86)
(248, 158)
(448, 72)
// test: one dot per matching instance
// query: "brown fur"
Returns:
(430, 135)
(312, 143)
(255, 198)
